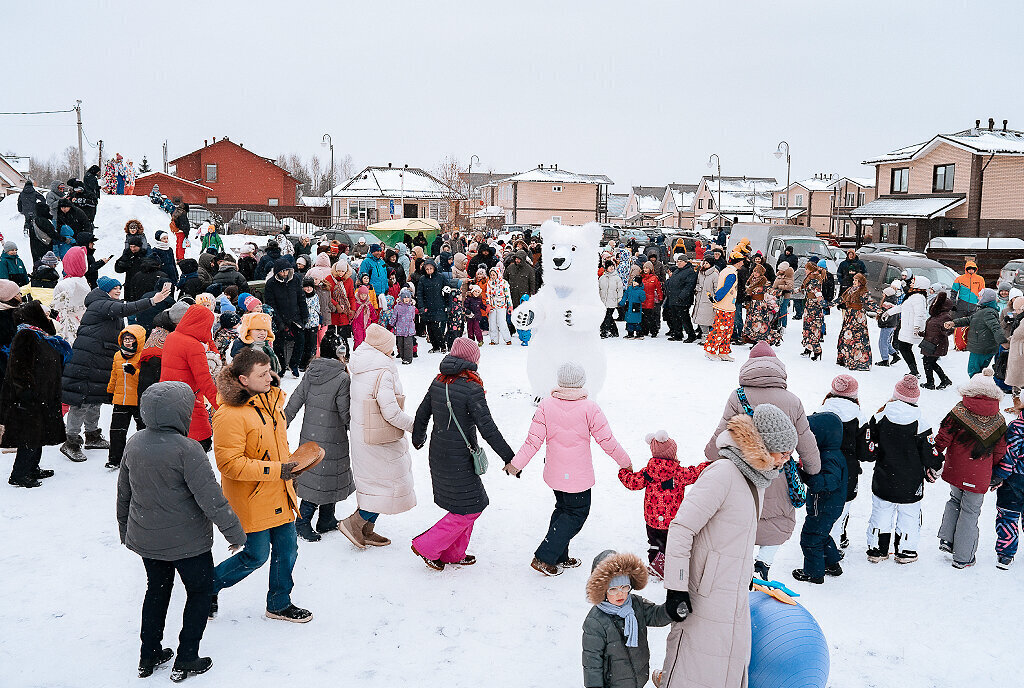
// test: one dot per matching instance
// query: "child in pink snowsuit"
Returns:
(365, 315)
(474, 314)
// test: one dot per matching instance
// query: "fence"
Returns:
(263, 219)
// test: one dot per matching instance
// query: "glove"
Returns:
(994, 484)
(917, 331)
(677, 604)
(446, 290)
(128, 368)
(286, 470)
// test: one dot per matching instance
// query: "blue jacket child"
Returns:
(826, 497)
(633, 300)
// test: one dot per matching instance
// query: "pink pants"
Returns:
(447, 539)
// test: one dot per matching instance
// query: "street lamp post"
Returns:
(469, 197)
(326, 140)
(778, 154)
(714, 156)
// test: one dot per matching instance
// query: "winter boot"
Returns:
(965, 564)
(148, 665)
(803, 577)
(291, 613)
(435, 564)
(881, 552)
(303, 525)
(657, 567)
(42, 473)
(895, 358)
(907, 556)
(546, 569)
(214, 607)
(467, 560)
(373, 539)
(1003, 563)
(326, 521)
(570, 563)
(72, 448)
(834, 570)
(25, 481)
(761, 570)
(94, 440)
(944, 384)
(352, 528)
(946, 546)
(182, 670)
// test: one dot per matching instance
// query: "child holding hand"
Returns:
(124, 389)
(365, 315)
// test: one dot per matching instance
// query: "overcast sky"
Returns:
(642, 92)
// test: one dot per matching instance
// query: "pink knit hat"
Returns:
(74, 262)
(907, 390)
(466, 349)
(662, 446)
(845, 386)
(761, 349)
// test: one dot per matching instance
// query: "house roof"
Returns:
(780, 213)
(811, 184)
(550, 174)
(9, 174)
(739, 183)
(683, 198)
(648, 198)
(863, 182)
(982, 141)
(395, 182)
(155, 177)
(924, 207)
(477, 179)
(227, 141)
(617, 204)
(314, 201)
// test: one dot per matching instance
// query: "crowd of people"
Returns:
(193, 358)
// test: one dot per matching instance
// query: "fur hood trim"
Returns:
(744, 436)
(624, 564)
(231, 391)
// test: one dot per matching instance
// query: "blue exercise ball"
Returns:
(788, 649)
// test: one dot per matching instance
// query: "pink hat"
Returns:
(907, 390)
(466, 349)
(845, 386)
(253, 305)
(74, 262)
(662, 446)
(761, 349)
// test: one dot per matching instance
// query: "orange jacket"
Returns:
(124, 386)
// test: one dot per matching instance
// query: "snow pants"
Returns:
(87, 415)
(497, 326)
(1009, 506)
(571, 512)
(820, 551)
(905, 517)
(839, 528)
(448, 539)
(960, 523)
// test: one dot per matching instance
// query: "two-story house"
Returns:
(235, 175)
(643, 207)
(742, 199)
(384, 193)
(677, 206)
(966, 184)
(850, 193)
(809, 202)
(548, 193)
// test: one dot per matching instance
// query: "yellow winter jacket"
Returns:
(124, 386)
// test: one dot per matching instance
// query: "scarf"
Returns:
(625, 612)
(58, 343)
(986, 430)
(470, 375)
(161, 245)
(569, 393)
(760, 479)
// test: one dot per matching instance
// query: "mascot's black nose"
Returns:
(559, 261)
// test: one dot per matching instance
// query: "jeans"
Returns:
(798, 307)
(737, 319)
(448, 539)
(197, 575)
(885, 347)
(977, 363)
(87, 415)
(370, 516)
(1009, 506)
(907, 351)
(783, 316)
(120, 420)
(960, 523)
(571, 511)
(26, 462)
(816, 541)
(279, 545)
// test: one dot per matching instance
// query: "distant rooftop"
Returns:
(983, 140)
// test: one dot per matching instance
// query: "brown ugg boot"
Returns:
(352, 528)
(372, 538)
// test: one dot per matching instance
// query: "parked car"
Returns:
(874, 248)
(838, 254)
(882, 267)
(199, 216)
(773, 240)
(346, 236)
(254, 222)
(1011, 272)
(686, 241)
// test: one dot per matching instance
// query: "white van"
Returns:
(772, 241)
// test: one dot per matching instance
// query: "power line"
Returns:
(40, 112)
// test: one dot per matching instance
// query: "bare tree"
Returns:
(449, 172)
(315, 174)
(55, 168)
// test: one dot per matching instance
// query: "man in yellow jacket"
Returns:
(717, 345)
(250, 443)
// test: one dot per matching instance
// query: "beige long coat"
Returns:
(709, 554)
(703, 309)
(1015, 359)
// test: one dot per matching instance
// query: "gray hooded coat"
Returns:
(53, 197)
(167, 495)
(323, 391)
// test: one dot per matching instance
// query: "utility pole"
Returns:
(81, 154)
(165, 156)
(327, 140)
(100, 162)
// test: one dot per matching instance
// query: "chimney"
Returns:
(991, 124)
(205, 143)
(556, 165)
(406, 165)
(389, 165)
(1004, 125)
(977, 124)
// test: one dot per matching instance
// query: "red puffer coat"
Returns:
(960, 469)
(663, 481)
(653, 291)
(184, 360)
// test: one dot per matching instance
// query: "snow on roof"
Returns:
(617, 204)
(648, 198)
(812, 184)
(863, 182)
(994, 142)
(550, 174)
(780, 213)
(733, 201)
(926, 208)
(975, 243)
(315, 201)
(740, 183)
(156, 176)
(684, 199)
(394, 182)
(490, 211)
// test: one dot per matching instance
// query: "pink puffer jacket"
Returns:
(566, 421)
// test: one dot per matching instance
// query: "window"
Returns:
(172, 169)
(846, 229)
(861, 197)
(211, 173)
(272, 201)
(849, 198)
(700, 204)
(711, 204)
(438, 210)
(557, 188)
(799, 201)
(900, 180)
(556, 218)
(903, 234)
(359, 208)
(942, 178)
(782, 201)
(211, 199)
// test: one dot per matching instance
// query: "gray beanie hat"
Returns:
(776, 429)
(177, 311)
(984, 296)
(571, 374)
(10, 246)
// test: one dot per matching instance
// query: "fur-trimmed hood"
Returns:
(232, 393)
(608, 565)
(742, 434)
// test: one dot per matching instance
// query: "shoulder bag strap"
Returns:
(742, 396)
(753, 493)
(448, 401)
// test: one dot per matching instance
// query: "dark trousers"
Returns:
(197, 575)
(308, 346)
(679, 323)
(289, 352)
(120, 421)
(435, 332)
(405, 345)
(26, 462)
(649, 321)
(608, 326)
(820, 551)
(277, 544)
(907, 352)
(798, 306)
(658, 540)
(932, 368)
(571, 511)
(737, 323)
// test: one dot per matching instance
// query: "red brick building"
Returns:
(173, 187)
(236, 176)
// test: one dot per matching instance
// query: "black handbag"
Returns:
(928, 348)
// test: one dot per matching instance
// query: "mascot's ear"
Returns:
(549, 229)
(593, 233)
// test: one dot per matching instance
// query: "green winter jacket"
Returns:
(985, 333)
(607, 662)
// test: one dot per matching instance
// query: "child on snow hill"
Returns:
(256, 332)
(663, 481)
(1008, 477)
(403, 322)
(826, 497)
(475, 314)
(972, 436)
(615, 649)
(842, 401)
(633, 300)
(900, 445)
(124, 389)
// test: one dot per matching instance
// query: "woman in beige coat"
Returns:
(707, 564)
(382, 473)
(703, 309)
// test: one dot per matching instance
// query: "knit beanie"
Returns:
(662, 446)
(177, 311)
(984, 296)
(619, 580)
(466, 349)
(49, 259)
(380, 339)
(981, 385)
(8, 290)
(775, 428)
(907, 390)
(75, 262)
(107, 284)
(571, 374)
(206, 300)
(10, 246)
(845, 386)
(762, 349)
(1014, 293)
(253, 305)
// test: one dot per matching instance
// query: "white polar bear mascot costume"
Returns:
(565, 315)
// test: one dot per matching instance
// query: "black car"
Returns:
(345, 236)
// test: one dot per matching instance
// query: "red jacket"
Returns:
(960, 470)
(184, 360)
(663, 481)
(343, 298)
(652, 288)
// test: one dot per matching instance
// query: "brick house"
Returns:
(173, 187)
(643, 208)
(677, 206)
(235, 175)
(384, 193)
(810, 204)
(849, 194)
(12, 180)
(743, 199)
(966, 184)
(548, 193)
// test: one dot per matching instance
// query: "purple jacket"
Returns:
(403, 318)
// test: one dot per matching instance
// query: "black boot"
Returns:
(326, 520)
(303, 525)
(182, 670)
(761, 570)
(881, 552)
(148, 665)
(803, 577)
(94, 440)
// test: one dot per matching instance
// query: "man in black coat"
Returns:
(92, 186)
(787, 257)
(283, 292)
(266, 264)
(847, 269)
(75, 218)
(679, 288)
(42, 235)
(433, 296)
(27, 200)
(521, 277)
(130, 264)
(484, 258)
(149, 274)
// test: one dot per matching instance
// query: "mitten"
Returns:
(677, 604)
(286, 470)
(128, 368)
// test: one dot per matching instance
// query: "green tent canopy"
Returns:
(392, 232)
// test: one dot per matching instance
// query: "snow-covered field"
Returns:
(71, 615)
